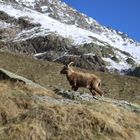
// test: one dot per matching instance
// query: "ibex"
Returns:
(80, 79)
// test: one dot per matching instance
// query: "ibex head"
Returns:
(66, 68)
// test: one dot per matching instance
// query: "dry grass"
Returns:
(16, 99)
(23, 118)
(72, 122)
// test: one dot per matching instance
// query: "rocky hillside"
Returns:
(36, 102)
(40, 113)
(51, 30)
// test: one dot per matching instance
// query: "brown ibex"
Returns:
(80, 79)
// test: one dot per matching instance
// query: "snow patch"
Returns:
(122, 65)
(89, 54)
(44, 9)
(39, 54)
(4, 25)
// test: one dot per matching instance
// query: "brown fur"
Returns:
(79, 79)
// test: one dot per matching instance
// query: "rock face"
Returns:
(58, 49)
(88, 62)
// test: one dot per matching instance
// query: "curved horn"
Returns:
(70, 64)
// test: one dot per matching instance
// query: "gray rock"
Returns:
(135, 72)
(7, 75)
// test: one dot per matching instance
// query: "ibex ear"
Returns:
(70, 64)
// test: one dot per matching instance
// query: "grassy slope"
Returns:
(28, 112)
(47, 73)
(23, 116)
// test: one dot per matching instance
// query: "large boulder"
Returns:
(135, 72)
(5, 17)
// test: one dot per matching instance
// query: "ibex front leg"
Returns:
(75, 88)
(93, 92)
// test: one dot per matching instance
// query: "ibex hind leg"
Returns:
(97, 89)
(93, 93)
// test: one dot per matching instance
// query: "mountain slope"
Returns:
(38, 113)
(123, 54)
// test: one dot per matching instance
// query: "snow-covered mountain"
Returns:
(31, 19)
